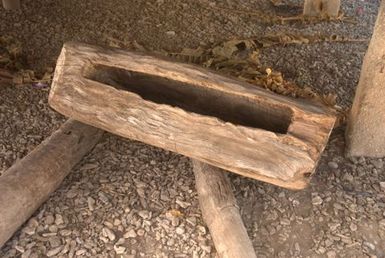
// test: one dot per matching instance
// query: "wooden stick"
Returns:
(328, 8)
(192, 111)
(221, 213)
(29, 182)
(11, 4)
(365, 135)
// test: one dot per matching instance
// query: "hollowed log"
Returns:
(192, 111)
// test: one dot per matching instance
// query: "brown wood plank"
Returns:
(192, 111)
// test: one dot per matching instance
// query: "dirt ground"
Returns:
(128, 199)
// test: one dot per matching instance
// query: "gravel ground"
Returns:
(128, 199)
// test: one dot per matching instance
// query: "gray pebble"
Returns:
(333, 164)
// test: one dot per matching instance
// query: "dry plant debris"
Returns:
(240, 58)
(13, 65)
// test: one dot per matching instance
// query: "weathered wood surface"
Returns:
(11, 4)
(329, 8)
(221, 213)
(365, 134)
(192, 111)
(30, 181)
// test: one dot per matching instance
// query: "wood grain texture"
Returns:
(122, 92)
(365, 134)
(30, 181)
(221, 212)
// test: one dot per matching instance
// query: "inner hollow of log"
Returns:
(227, 107)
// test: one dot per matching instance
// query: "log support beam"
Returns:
(11, 4)
(315, 8)
(30, 181)
(221, 213)
(365, 135)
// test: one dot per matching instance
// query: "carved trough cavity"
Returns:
(192, 111)
(232, 108)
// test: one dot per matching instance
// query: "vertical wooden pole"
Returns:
(314, 8)
(11, 4)
(365, 135)
(221, 213)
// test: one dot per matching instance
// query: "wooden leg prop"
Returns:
(29, 182)
(365, 134)
(221, 212)
(329, 8)
(11, 4)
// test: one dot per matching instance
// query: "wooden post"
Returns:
(328, 8)
(29, 182)
(365, 135)
(11, 4)
(221, 213)
(192, 111)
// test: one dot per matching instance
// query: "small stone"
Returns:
(378, 163)
(117, 222)
(53, 228)
(140, 232)
(348, 177)
(353, 227)
(71, 194)
(321, 250)
(54, 241)
(27, 254)
(206, 248)
(170, 33)
(109, 233)
(91, 203)
(317, 200)
(331, 254)
(144, 214)
(130, 234)
(119, 249)
(202, 230)
(81, 252)
(65, 232)
(369, 245)
(182, 204)
(49, 220)
(20, 248)
(29, 230)
(285, 221)
(192, 221)
(59, 219)
(332, 164)
(171, 242)
(54, 251)
(179, 230)
(382, 185)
